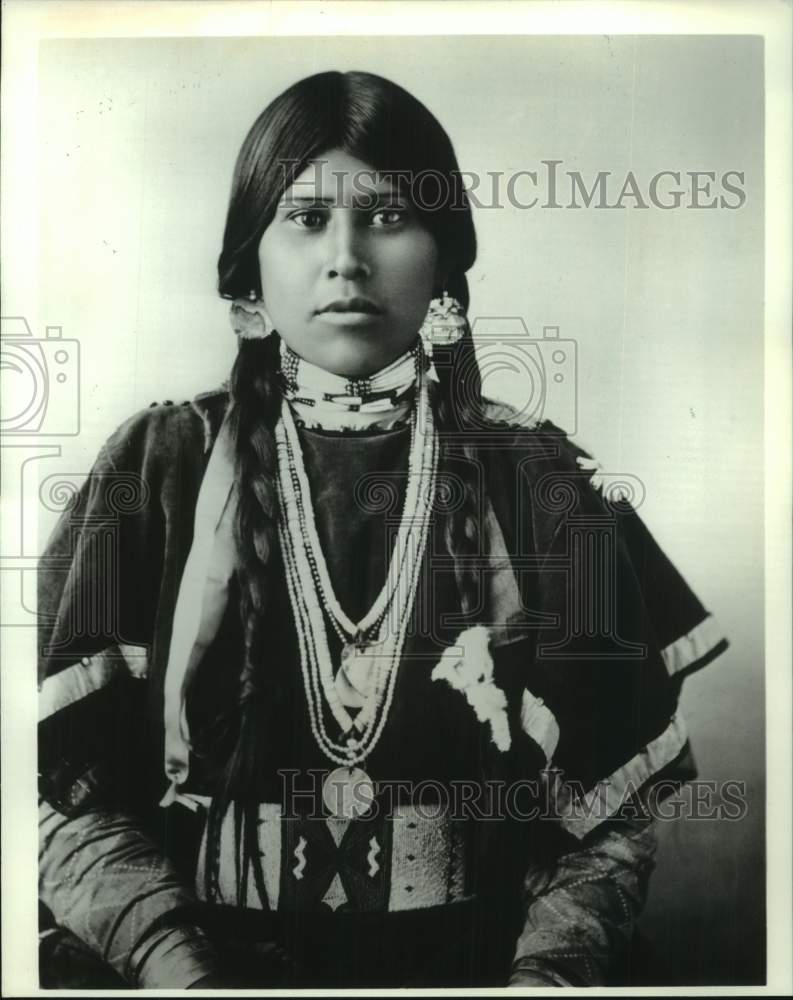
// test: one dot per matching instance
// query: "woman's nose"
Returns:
(346, 255)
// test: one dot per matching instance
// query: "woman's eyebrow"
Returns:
(365, 197)
(289, 201)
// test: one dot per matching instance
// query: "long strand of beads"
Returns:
(308, 656)
(366, 628)
(311, 629)
(390, 674)
(315, 656)
(320, 577)
(401, 632)
(379, 687)
(311, 539)
(300, 488)
(373, 629)
(305, 602)
(303, 597)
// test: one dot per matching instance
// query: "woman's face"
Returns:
(340, 233)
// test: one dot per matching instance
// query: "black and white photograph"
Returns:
(396, 456)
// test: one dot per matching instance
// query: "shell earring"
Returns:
(444, 324)
(249, 319)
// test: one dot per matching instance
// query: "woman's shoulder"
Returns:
(534, 463)
(538, 439)
(167, 429)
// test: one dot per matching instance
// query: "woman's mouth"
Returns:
(356, 311)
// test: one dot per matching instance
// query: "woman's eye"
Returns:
(389, 216)
(309, 219)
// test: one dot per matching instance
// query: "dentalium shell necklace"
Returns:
(381, 632)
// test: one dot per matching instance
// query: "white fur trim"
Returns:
(686, 650)
(609, 794)
(539, 724)
(471, 672)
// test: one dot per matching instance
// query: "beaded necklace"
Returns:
(320, 399)
(311, 385)
(380, 635)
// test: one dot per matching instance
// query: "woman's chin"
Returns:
(352, 352)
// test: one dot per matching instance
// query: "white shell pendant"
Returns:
(356, 668)
(348, 792)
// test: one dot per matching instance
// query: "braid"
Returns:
(458, 411)
(255, 407)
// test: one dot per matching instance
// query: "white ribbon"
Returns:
(202, 599)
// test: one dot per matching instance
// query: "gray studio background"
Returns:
(138, 140)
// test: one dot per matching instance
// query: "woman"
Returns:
(349, 678)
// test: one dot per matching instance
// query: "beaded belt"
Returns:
(407, 861)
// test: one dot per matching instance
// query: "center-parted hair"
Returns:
(384, 126)
(370, 118)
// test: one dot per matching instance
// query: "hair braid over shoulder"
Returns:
(459, 411)
(254, 412)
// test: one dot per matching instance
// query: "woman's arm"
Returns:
(115, 549)
(625, 628)
(108, 883)
(581, 908)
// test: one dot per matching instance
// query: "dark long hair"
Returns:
(382, 125)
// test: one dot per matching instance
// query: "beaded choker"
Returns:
(320, 398)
